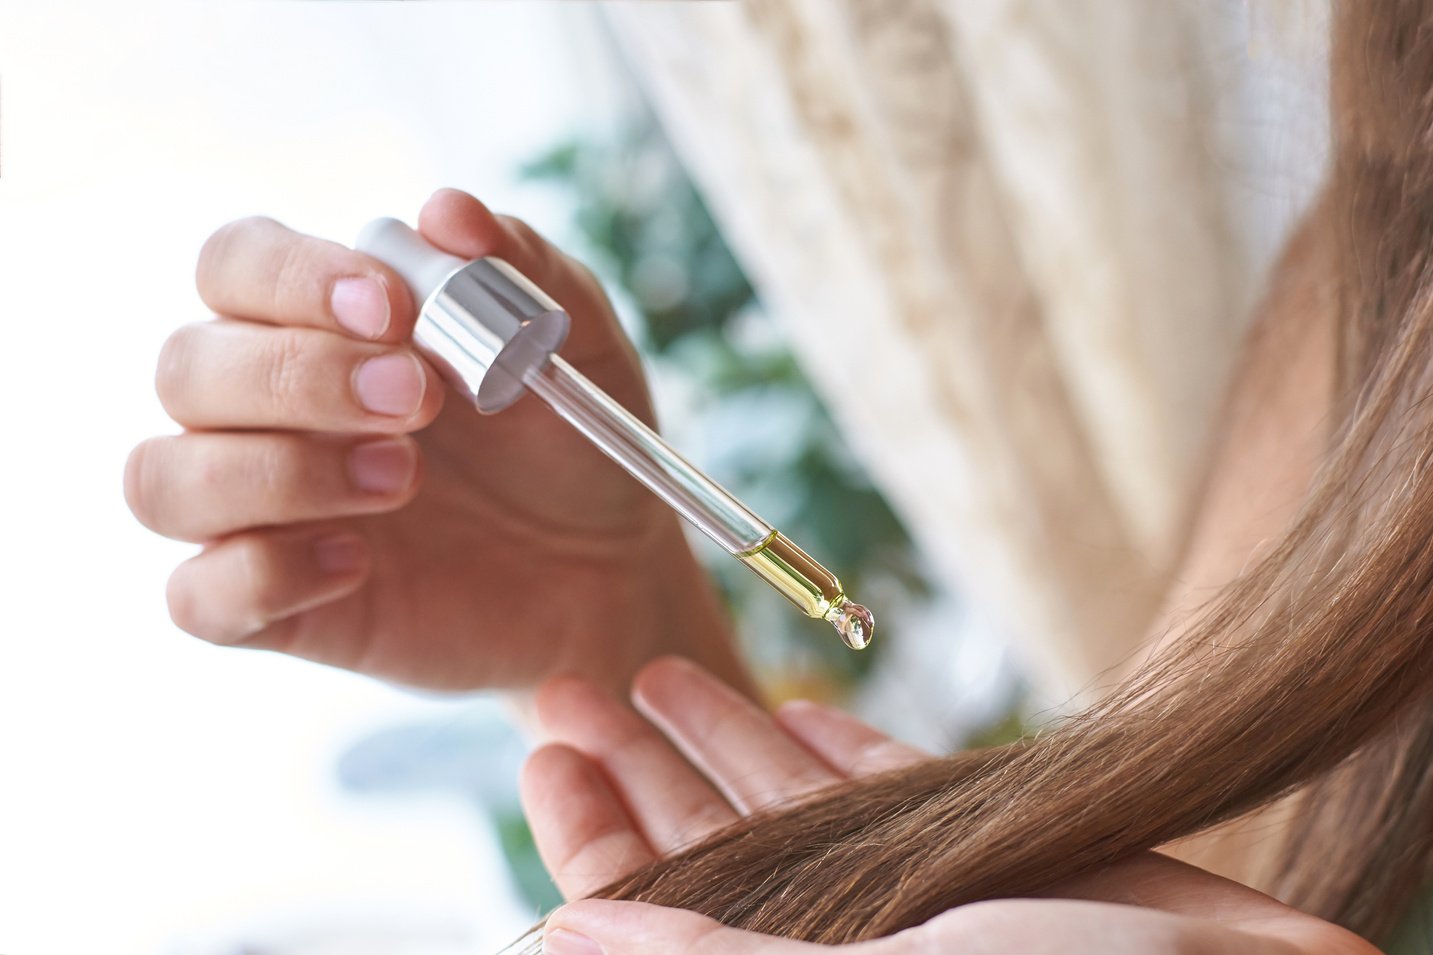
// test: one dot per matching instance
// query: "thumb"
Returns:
(461, 225)
(601, 927)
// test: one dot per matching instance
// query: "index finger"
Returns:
(261, 270)
(844, 743)
(725, 735)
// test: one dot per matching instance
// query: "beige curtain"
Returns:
(1014, 243)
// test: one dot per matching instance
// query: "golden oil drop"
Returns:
(812, 588)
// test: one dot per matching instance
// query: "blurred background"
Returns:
(160, 795)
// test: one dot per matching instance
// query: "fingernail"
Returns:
(390, 385)
(561, 941)
(382, 467)
(339, 553)
(361, 306)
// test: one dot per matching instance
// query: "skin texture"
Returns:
(354, 511)
(612, 791)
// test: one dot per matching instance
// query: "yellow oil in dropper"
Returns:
(812, 588)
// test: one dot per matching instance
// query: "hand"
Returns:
(355, 513)
(614, 791)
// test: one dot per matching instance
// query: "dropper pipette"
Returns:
(493, 335)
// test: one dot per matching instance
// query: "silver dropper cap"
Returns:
(481, 323)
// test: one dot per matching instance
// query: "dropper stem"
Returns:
(623, 437)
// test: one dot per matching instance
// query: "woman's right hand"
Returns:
(355, 513)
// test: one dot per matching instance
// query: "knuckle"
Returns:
(183, 605)
(292, 277)
(254, 575)
(171, 373)
(138, 482)
(274, 470)
(284, 375)
(218, 248)
(211, 256)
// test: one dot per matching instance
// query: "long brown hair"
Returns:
(1308, 676)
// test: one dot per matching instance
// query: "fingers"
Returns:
(842, 742)
(230, 374)
(200, 486)
(634, 928)
(584, 834)
(247, 586)
(671, 805)
(460, 224)
(732, 741)
(1038, 927)
(258, 269)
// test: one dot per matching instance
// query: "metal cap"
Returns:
(481, 323)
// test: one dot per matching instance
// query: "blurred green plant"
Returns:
(694, 315)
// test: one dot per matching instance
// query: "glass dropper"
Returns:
(494, 335)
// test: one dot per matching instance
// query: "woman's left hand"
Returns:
(612, 793)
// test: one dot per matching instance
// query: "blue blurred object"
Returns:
(474, 755)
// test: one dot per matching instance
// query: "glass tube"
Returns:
(622, 436)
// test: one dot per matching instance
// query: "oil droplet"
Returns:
(853, 622)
